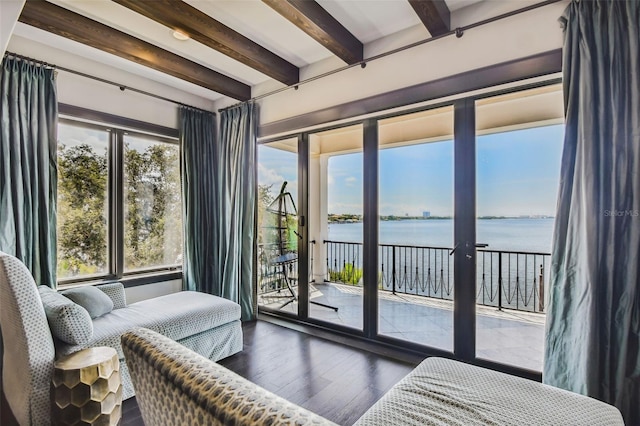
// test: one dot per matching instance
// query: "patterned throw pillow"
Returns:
(68, 322)
(93, 300)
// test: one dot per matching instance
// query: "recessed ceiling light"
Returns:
(180, 35)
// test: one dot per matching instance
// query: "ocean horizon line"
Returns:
(352, 218)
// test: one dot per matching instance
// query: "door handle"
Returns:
(478, 245)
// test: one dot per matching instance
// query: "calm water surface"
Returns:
(501, 234)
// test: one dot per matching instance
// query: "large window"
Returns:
(119, 203)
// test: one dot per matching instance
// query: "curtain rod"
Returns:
(102, 80)
(459, 32)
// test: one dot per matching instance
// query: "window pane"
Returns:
(152, 204)
(415, 292)
(83, 201)
(336, 292)
(278, 225)
(518, 151)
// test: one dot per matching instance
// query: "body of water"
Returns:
(428, 272)
(532, 235)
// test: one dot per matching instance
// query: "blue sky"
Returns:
(70, 135)
(517, 174)
(73, 135)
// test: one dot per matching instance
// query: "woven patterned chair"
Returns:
(176, 386)
(27, 342)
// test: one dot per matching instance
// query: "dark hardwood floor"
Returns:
(336, 381)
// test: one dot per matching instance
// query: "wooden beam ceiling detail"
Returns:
(311, 18)
(434, 14)
(63, 22)
(185, 18)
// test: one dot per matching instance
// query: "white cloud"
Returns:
(269, 176)
(350, 181)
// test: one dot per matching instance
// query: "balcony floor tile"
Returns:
(507, 336)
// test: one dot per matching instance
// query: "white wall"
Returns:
(516, 37)
(88, 93)
(143, 292)
(9, 12)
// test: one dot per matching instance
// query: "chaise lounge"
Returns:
(34, 334)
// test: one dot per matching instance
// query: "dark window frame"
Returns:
(119, 127)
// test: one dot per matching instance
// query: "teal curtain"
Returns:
(237, 198)
(198, 167)
(28, 176)
(593, 322)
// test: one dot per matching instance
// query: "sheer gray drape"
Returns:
(198, 166)
(593, 322)
(28, 173)
(237, 196)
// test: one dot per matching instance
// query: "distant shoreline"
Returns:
(340, 219)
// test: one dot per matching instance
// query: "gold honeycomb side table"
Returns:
(87, 389)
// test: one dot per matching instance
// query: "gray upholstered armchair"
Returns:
(28, 345)
(176, 386)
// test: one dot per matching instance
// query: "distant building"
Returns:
(426, 214)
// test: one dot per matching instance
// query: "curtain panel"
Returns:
(198, 167)
(219, 191)
(237, 163)
(28, 176)
(593, 321)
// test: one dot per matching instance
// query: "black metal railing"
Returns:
(506, 279)
(422, 271)
(271, 272)
(512, 279)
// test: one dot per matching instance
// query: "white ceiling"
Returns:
(368, 20)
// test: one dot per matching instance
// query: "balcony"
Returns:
(416, 296)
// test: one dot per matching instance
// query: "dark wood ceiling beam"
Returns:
(63, 22)
(311, 18)
(185, 18)
(434, 14)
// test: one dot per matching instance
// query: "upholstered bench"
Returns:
(178, 316)
(442, 391)
(209, 325)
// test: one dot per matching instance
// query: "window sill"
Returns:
(150, 278)
(128, 280)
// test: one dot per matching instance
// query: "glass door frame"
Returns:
(464, 230)
(464, 251)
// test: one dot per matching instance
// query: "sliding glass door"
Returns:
(518, 149)
(428, 230)
(415, 273)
